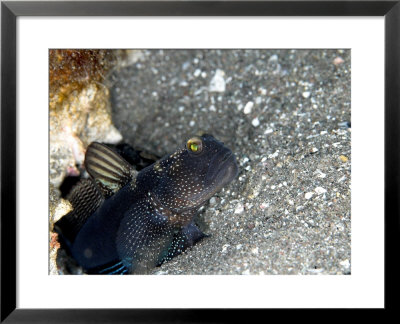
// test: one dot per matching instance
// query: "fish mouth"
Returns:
(223, 169)
(227, 156)
(228, 170)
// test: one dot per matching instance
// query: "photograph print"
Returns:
(200, 161)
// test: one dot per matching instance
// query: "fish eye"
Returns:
(194, 145)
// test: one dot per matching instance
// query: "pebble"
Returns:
(315, 270)
(320, 190)
(213, 201)
(185, 65)
(338, 60)
(273, 58)
(217, 83)
(345, 124)
(340, 227)
(249, 106)
(321, 174)
(197, 73)
(343, 158)
(255, 122)
(345, 263)
(308, 195)
(239, 209)
(225, 247)
(306, 94)
(62, 208)
(262, 91)
(273, 155)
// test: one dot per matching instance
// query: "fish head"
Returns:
(195, 172)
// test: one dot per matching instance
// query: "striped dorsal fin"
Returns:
(108, 169)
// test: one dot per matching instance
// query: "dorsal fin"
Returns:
(109, 170)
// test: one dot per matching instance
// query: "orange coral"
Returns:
(73, 69)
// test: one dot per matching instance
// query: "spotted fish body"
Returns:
(126, 221)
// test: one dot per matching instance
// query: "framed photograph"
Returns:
(163, 158)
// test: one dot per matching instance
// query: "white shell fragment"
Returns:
(320, 190)
(249, 106)
(217, 83)
(255, 122)
(308, 195)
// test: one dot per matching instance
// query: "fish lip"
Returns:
(226, 172)
(229, 160)
(226, 157)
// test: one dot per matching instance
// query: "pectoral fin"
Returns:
(113, 268)
(185, 238)
(109, 170)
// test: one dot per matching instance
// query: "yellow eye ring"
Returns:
(194, 145)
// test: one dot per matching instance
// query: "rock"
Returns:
(320, 190)
(217, 83)
(338, 60)
(308, 195)
(248, 108)
(239, 209)
(79, 107)
(273, 58)
(255, 122)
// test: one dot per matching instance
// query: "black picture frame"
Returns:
(11, 10)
